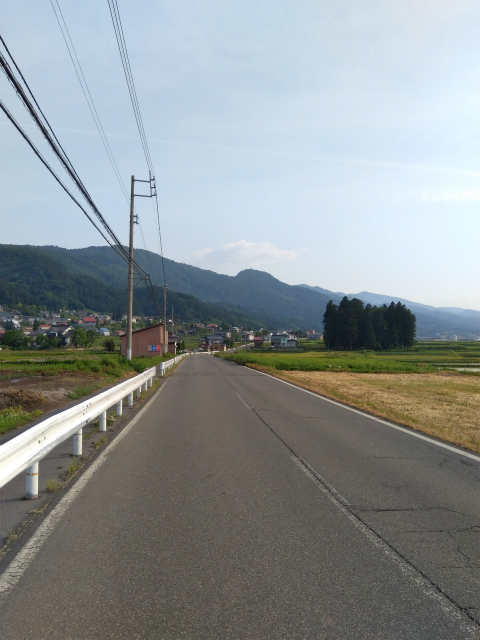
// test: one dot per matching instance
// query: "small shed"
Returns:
(146, 342)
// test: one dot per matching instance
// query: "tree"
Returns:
(109, 344)
(15, 339)
(351, 325)
(79, 338)
(44, 342)
(36, 324)
(90, 337)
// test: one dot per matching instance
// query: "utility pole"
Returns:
(165, 345)
(133, 220)
(130, 272)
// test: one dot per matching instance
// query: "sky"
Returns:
(329, 142)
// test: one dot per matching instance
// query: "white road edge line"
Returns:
(425, 586)
(368, 415)
(15, 570)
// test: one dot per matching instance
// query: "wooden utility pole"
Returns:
(165, 344)
(130, 273)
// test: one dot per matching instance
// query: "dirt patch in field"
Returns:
(46, 393)
(445, 405)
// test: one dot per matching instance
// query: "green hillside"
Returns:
(31, 276)
(256, 292)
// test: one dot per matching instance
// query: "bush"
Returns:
(109, 345)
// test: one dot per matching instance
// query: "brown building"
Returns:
(146, 342)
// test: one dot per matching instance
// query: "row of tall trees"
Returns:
(351, 325)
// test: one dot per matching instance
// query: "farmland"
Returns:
(35, 383)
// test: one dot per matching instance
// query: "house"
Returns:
(279, 340)
(104, 332)
(61, 331)
(146, 342)
(312, 335)
(224, 334)
(247, 336)
(212, 342)
(90, 320)
(258, 341)
(119, 332)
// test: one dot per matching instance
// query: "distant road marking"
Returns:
(427, 587)
(15, 570)
(467, 454)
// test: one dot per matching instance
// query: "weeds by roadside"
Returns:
(81, 391)
(53, 485)
(14, 417)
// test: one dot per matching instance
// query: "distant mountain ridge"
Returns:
(430, 320)
(251, 293)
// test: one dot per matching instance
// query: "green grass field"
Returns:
(56, 362)
(425, 357)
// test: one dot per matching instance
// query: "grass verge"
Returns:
(14, 417)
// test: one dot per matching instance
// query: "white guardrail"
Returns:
(25, 451)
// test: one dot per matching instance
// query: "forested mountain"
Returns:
(31, 277)
(96, 277)
(56, 278)
(258, 293)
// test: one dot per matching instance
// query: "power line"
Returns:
(45, 163)
(47, 131)
(86, 91)
(122, 47)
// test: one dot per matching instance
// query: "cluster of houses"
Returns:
(278, 339)
(53, 326)
(148, 340)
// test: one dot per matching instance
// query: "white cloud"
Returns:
(242, 255)
(460, 196)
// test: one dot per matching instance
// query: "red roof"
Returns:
(89, 319)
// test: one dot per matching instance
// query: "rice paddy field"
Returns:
(433, 387)
(34, 383)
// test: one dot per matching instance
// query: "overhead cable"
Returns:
(122, 47)
(86, 91)
(47, 131)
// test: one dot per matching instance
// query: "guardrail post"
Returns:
(119, 407)
(130, 399)
(78, 443)
(31, 484)
(139, 391)
(103, 421)
(162, 369)
(149, 383)
(144, 386)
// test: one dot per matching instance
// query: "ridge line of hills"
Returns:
(255, 298)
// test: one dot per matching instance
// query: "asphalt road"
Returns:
(239, 507)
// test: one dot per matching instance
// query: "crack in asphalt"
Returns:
(353, 514)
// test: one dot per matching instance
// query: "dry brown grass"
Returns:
(445, 405)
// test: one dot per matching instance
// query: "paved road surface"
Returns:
(239, 507)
